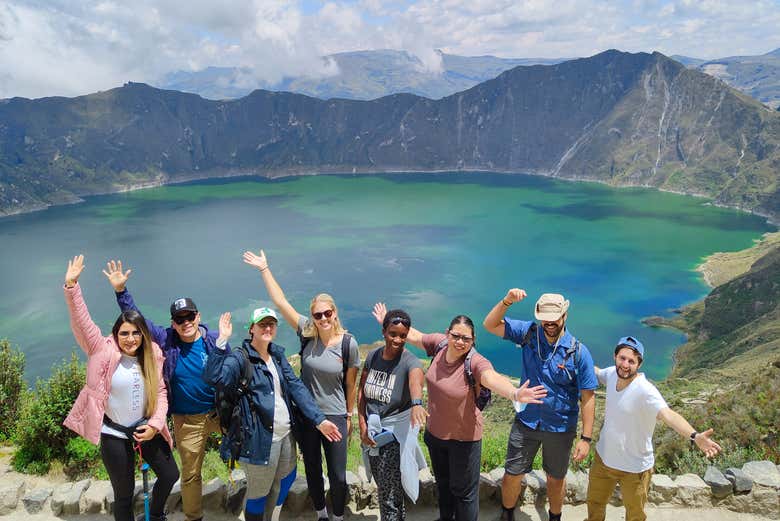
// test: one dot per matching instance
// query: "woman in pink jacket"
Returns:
(124, 403)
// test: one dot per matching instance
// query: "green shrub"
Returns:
(40, 436)
(81, 458)
(11, 387)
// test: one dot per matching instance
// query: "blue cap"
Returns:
(633, 343)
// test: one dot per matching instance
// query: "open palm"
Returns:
(116, 276)
(75, 267)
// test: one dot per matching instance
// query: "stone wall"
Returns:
(755, 488)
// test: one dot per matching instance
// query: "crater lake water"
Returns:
(434, 244)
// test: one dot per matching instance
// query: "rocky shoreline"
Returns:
(753, 489)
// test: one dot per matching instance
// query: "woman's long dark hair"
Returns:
(146, 360)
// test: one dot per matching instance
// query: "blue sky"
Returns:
(71, 47)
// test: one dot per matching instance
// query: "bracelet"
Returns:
(417, 401)
(503, 301)
(586, 438)
(263, 269)
(693, 438)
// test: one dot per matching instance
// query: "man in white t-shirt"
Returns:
(624, 452)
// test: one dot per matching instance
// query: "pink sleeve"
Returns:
(158, 419)
(430, 341)
(86, 332)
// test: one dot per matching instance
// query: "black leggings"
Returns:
(336, 457)
(119, 460)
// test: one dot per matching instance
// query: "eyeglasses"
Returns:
(318, 315)
(400, 320)
(184, 317)
(461, 338)
(125, 334)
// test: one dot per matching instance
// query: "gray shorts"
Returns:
(524, 444)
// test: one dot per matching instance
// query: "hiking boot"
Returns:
(507, 514)
(553, 517)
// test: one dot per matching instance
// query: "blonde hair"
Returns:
(147, 360)
(310, 331)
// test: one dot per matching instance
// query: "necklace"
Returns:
(539, 351)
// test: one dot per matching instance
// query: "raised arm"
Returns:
(494, 321)
(223, 368)
(117, 277)
(415, 336)
(502, 386)
(273, 288)
(86, 332)
(683, 428)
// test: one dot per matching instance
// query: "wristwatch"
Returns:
(417, 401)
(586, 438)
(693, 438)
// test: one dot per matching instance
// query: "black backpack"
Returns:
(228, 404)
(484, 396)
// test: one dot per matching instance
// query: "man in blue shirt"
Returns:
(552, 357)
(186, 345)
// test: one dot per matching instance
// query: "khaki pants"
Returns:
(601, 484)
(191, 432)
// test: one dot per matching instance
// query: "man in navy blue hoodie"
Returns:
(186, 345)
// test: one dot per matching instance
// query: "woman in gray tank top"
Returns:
(329, 363)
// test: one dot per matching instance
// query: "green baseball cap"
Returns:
(259, 314)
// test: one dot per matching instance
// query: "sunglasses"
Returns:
(185, 317)
(125, 334)
(461, 338)
(266, 325)
(400, 320)
(318, 315)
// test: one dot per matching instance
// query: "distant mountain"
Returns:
(756, 76)
(362, 75)
(623, 119)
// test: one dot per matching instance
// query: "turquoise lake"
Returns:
(434, 244)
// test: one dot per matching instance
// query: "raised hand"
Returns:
(515, 295)
(75, 267)
(706, 444)
(116, 276)
(258, 261)
(525, 394)
(225, 328)
(379, 312)
(329, 430)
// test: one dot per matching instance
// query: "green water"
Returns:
(436, 245)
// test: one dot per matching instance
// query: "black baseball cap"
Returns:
(183, 304)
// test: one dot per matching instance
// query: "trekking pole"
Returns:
(145, 473)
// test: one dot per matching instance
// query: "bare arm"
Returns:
(494, 321)
(273, 288)
(683, 428)
(588, 411)
(414, 337)
(502, 386)
(362, 417)
(416, 379)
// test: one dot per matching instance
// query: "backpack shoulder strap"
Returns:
(346, 341)
(246, 369)
(469, 373)
(574, 350)
(441, 345)
(528, 335)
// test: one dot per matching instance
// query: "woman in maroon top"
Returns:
(454, 431)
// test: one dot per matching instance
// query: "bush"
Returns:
(11, 387)
(81, 458)
(40, 436)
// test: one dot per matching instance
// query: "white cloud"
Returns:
(70, 47)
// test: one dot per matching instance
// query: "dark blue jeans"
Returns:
(456, 469)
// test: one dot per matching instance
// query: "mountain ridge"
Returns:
(618, 118)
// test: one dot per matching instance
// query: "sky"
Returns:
(74, 47)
